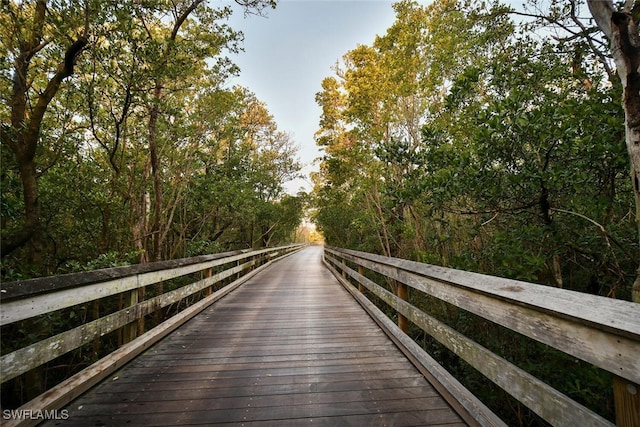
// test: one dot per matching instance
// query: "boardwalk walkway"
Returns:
(289, 347)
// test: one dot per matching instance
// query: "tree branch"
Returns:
(183, 17)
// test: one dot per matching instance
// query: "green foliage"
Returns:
(220, 160)
(108, 260)
(504, 158)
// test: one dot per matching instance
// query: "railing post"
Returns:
(95, 314)
(130, 331)
(361, 287)
(158, 316)
(208, 273)
(403, 294)
(626, 396)
(344, 271)
(141, 292)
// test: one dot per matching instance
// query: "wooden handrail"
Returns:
(31, 287)
(27, 299)
(30, 298)
(602, 331)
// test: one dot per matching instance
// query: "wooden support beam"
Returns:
(209, 289)
(130, 331)
(403, 294)
(626, 397)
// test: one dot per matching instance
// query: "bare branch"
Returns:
(587, 31)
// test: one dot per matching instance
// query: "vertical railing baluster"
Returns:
(626, 396)
(141, 292)
(403, 294)
(130, 331)
(209, 289)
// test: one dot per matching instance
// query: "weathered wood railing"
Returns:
(601, 331)
(25, 300)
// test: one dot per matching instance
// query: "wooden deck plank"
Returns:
(293, 364)
(200, 358)
(178, 403)
(404, 377)
(276, 386)
(290, 347)
(191, 413)
(437, 417)
(381, 420)
(261, 391)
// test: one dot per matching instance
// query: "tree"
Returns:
(171, 56)
(621, 28)
(532, 165)
(373, 113)
(42, 59)
(235, 194)
(150, 54)
(464, 143)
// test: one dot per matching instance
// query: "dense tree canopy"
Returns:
(120, 135)
(480, 144)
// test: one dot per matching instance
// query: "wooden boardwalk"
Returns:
(289, 347)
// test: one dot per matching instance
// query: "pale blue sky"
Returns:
(288, 53)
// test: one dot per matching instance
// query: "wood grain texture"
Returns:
(26, 358)
(551, 405)
(608, 337)
(76, 385)
(289, 347)
(25, 299)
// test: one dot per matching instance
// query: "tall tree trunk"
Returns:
(156, 229)
(23, 134)
(158, 235)
(29, 179)
(622, 30)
